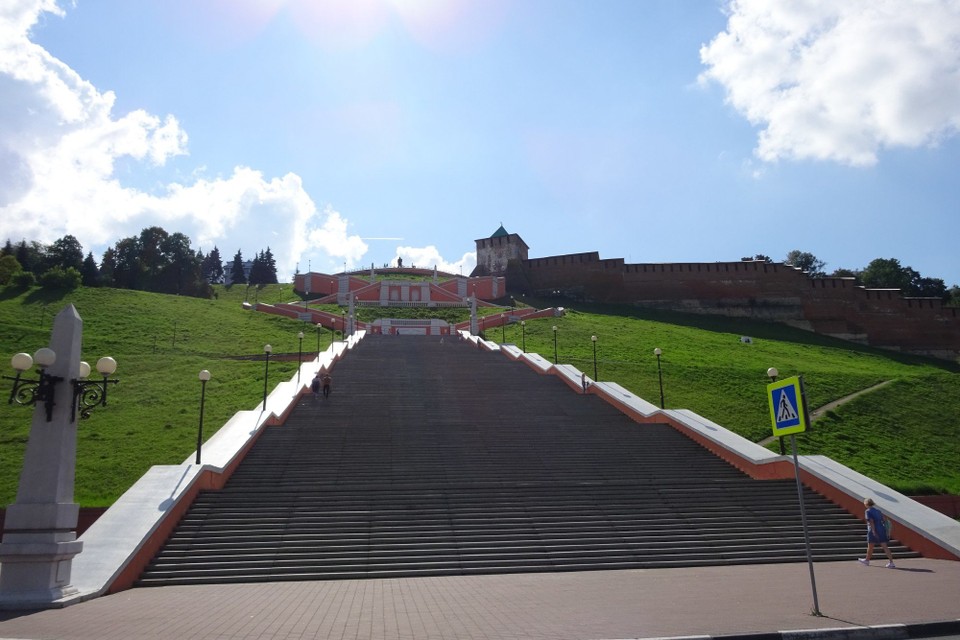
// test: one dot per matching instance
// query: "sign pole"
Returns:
(803, 521)
(788, 411)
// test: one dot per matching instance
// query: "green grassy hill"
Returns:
(905, 434)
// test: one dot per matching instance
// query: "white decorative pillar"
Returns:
(40, 538)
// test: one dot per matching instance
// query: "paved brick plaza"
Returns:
(600, 604)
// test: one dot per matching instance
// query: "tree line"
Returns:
(881, 273)
(154, 260)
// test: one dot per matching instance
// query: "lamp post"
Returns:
(657, 352)
(299, 355)
(343, 318)
(772, 373)
(523, 335)
(554, 344)
(267, 350)
(204, 377)
(594, 340)
(319, 327)
(503, 330)
(86, 394)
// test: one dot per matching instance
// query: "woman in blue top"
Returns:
(876, 533)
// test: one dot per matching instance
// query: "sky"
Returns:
(345, 133)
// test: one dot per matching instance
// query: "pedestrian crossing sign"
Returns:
(786, 406)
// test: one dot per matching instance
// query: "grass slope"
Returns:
(905, 435)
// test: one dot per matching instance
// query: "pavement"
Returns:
(921, 597)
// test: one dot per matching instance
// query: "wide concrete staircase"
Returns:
(436, 458)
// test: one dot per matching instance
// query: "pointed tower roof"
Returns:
(499, 233)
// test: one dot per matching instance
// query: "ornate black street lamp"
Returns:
(90, 394)
(658, 352)
(594, 340)
(204, 378)
(267, 350)
(86, 394)
(31, 392)
(554, 344)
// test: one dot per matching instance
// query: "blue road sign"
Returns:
(786, 406)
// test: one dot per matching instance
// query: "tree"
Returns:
(8, 267)
(179, 268)
(67, 252)
(845, 273)
(89, 274)
(269, 267)
(108, 265)
(256, 270)
(888, 273)
(236, 270)
(928, 287)
(759, 257)
(953, 296)
(885, 273)
(8, 249)
(151, 259)
(30, 256)
(212, 267)
(806, 261)
(126, 264)
(23, 279)
(59, 278)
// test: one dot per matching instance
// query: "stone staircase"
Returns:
(434, 458)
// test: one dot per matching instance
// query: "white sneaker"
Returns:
(890, 565)
(863, 561)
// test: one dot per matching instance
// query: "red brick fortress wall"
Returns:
(758, 290)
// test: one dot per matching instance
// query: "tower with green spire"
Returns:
(495, 252)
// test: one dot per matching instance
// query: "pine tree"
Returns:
(236, 270)
(89, 273)
(269, 268)
(212, 267)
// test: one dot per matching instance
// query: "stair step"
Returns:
(435, 459)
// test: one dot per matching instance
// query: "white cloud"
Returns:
(840, 81)
(332, 239)
(60, 144)
(429, 257)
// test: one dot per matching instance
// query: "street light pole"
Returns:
(523, 335)
(299, 355)
(503, 330)
(319, 327)
(204, 377)
(267, 350)
(657, 352)
(594, 340)
(554, 344)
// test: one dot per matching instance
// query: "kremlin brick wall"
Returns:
(752, 289)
